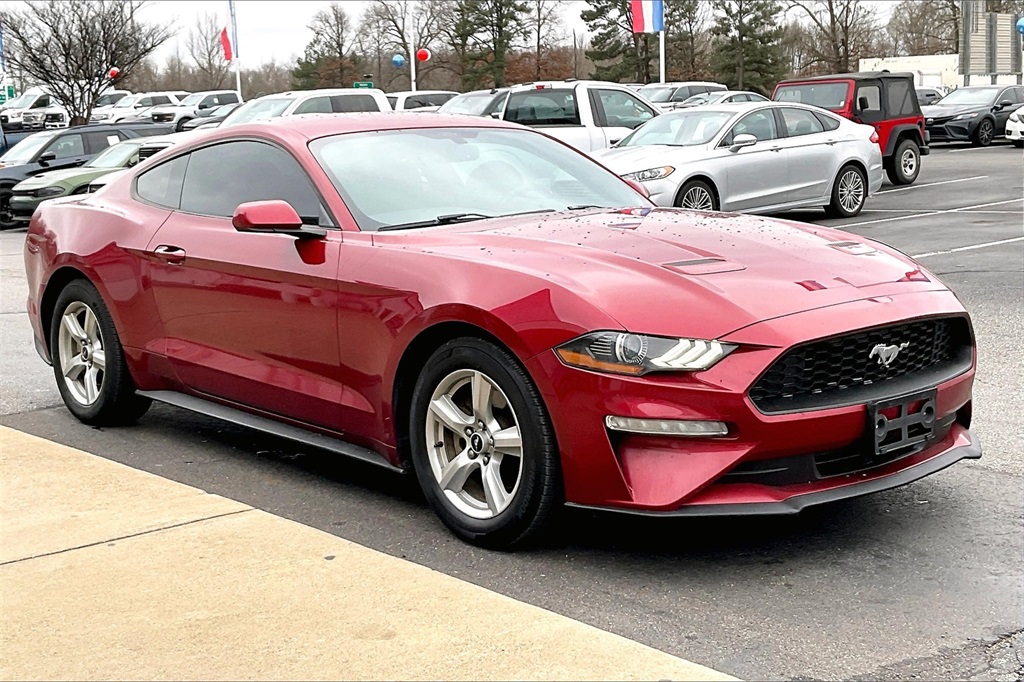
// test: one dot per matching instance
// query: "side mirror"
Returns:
(639, 187)
(496, 115)
(742, 140)
(1004, 103)
(203, 105)
(46, 157)
(273, 217)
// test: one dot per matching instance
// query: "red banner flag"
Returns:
(225, 42)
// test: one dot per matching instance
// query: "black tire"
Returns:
(849, 192)
(116, 401)
(1019, 144)
(691, 191)
(905, 164)
(7, 220)
(181, 124)
(537, 494)
(984, 133)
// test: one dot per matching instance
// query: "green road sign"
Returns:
(7, 93)
(362, 84)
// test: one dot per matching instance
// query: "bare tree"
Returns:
(404, 23)
(332, 44)
(687, 40)
(204, 46)
(842, 32)
(70, 45)
(544, 23)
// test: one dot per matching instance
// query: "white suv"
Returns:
(327, 101)
(670, 96)
(136, 107)
(57, 116)
(183, 112)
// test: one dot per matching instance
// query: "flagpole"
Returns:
(234, 40)
(661, 50)
(412, 54)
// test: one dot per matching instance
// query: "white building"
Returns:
(934, 70)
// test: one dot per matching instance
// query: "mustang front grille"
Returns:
(865, 365)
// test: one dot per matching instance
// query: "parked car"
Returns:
(975, 113)
(669, 96)
(57, 116)
(1015, 129)
(28, 194)
(885, 100)
(51, 150)
(184, 111)
(752, 156)
(587, 115)
(211, 117)
(926, 95)
(722, 97)
(633, 358)
(476, 103)
(26, 111)
(409, 99)
(135, 108)
(326, 101)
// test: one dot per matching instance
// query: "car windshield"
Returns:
(258, 110)
(824, 95)
(425, 176)
(107, 100)
(970, 96)
(223, 110)
(117, 156)
(127, 102)
(702, 98)
(657, 94)
(472, 103)
(683, 129)
(20, 102)
(192, 100)
(25, 150)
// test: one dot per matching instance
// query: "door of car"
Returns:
(617, 113)
(63, 151)
(1001, 111)
(756, 175)
(246, 317)
(810, 151)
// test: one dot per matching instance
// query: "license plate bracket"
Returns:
(903, 422)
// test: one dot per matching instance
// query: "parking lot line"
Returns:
(973, 149)
(929, 213)
(968, 248)
(931, 184)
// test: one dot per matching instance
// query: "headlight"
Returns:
(48, 192)
(100, 117)
(636, 354)
(963, 117)
(650, 174)
(1014, 117)
(15, 114)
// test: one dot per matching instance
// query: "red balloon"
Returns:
(114, 71)
(423, 54)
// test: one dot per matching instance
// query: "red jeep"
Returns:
(881, 99)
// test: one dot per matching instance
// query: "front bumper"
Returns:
(1015, 130)
(952, 131)
(23, 206)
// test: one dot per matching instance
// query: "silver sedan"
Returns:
(752, 156)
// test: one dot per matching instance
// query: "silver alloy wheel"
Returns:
(909, 163)
(80, 352)
(474, 444)
(851, 191)
(985, 132)
(698, 199)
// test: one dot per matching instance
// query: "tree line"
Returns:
(746, 44)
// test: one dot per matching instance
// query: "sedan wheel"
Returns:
(986, 131)
(482, 444)
(849, 193)
(80, 350)
(6, 216)
(696, 195)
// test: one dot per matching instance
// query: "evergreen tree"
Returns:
(747, 52)
(686, 40)
(500, 25)
(618, 53)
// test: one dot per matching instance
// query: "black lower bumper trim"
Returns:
(797, 503)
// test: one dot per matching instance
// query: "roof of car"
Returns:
(421, 92)
(321, 125)
(859, 76)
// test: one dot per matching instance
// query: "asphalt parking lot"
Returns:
(924, 581)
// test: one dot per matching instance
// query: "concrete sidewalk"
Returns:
(107, 572)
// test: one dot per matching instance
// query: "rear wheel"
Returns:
(1019, 144)
(181, 124)
(849, 192)
(483, 446)
(984, 133)
(697, 195)
(905, 164)
(88, 360)
(6, 217)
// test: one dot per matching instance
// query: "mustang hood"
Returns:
(675, 272)
(56, 176)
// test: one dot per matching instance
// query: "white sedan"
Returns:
(1015, 128)
(752, 156)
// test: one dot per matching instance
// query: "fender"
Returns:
(894, 136)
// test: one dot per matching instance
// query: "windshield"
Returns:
(472, 103)
(657, 94)
(683, 129)
(107, 100)
(117, 156)
(192, 100)
(395, 177)
(26, 149)
(258, 110)
(126, 102)
(970, 96)
(223, 110)
(824, 95)
(20, 102)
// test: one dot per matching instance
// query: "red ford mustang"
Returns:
(482, 305)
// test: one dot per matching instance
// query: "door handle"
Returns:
(830, 142)
(171, 254)
(614, 142)
(776, 149)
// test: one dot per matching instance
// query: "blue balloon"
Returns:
(1020, 26)
(398, 60)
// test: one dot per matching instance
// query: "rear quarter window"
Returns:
(343, 104)
(161, 185)
(543, 107)
(901, 98)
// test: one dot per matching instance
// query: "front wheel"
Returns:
(88, 360)
(1019, 144)
(905, 165)
(6, 216)
(483, 446)
(848, 193)
(181, 124)
(697, 195)
(984, 134)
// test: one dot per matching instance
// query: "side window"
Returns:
(346, 104)
(393, 101)
(827, 122)
(67, 146)
(208, 101)
(799, 122)
(97, 142)
(496, 104)
(221, 177)
(160, 99)
(868, 103)
(760, 124)
(146, 102)
(683, 93)
(227, 98)
(315, 105)
(543, 107)
(161, 185)
(621, 109)
(901, 102)
(43, 101)
(1018, 94)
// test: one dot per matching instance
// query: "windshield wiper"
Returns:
(447, 219)
(580, 207)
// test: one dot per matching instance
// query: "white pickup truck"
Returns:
(588, 115)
